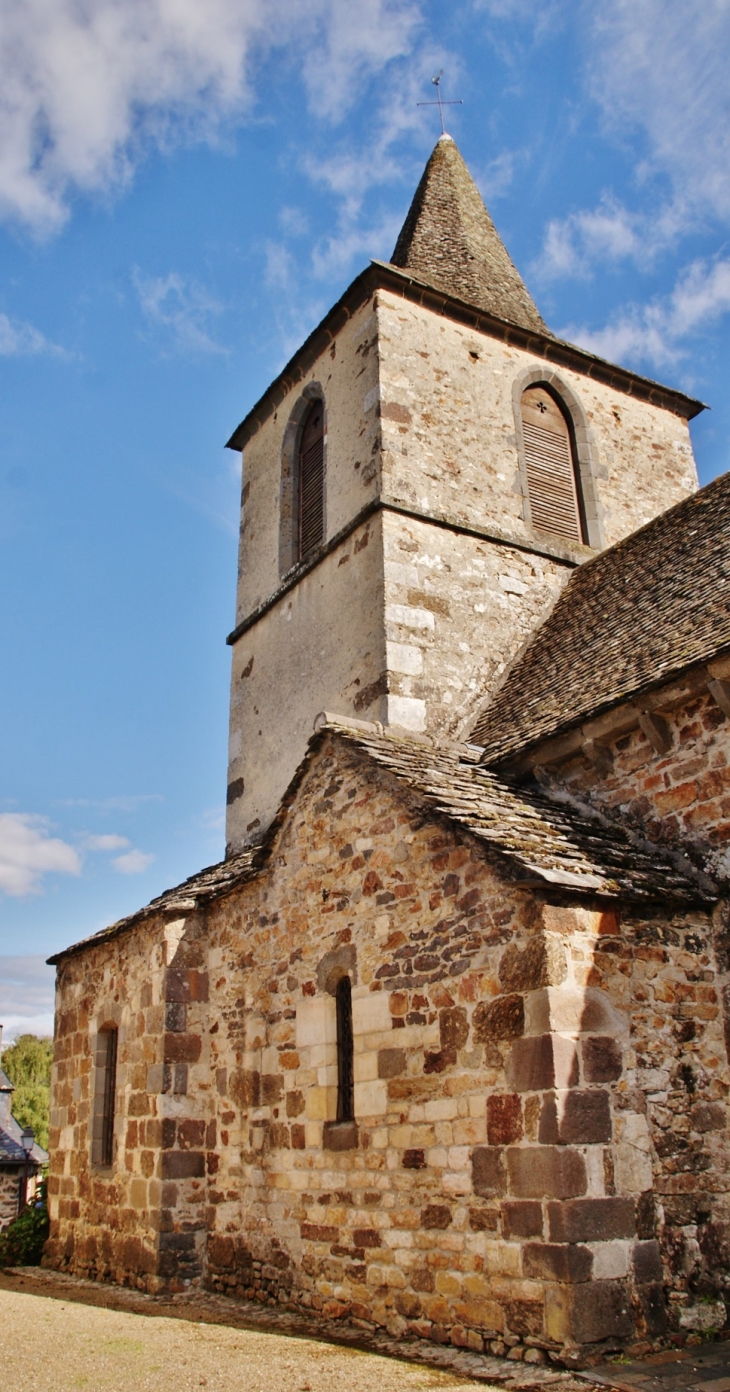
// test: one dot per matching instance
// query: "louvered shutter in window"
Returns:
(551, 478)
(311, 482)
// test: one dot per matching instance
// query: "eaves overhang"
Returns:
(381, 275)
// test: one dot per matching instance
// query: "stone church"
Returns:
(441, 1046)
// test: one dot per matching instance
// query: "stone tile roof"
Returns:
(631, 619)
(557, 841)
(11, 1151)
(546, 840)
(449, 241)
(212, 883)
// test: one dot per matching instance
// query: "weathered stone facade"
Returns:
(422, 457)
(531, 923)
(505, 1183)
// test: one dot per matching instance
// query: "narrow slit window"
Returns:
(310, 509)
(105, 1097)
(552, 483)
(345, 1052)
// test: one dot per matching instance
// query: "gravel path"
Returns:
(60, 1346)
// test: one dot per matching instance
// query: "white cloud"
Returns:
(28, 852)
(85, 89)
(26, 996)
(18, 338)
(181, 308)
(113, 804)
(662, 82)
(656, 332)
(660, 68)
(133, 862)
(109, 842)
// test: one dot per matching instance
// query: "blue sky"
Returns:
(184, 190)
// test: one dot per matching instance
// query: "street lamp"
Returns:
(27, 1141)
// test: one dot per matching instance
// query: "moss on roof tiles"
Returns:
(637, 615)
(449, 241)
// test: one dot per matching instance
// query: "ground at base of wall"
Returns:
(203, 1308)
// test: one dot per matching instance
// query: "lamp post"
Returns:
(27, 1141)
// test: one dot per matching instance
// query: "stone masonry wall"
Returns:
(457, 609)
(112, 1223)
(680, 795)
(10, 1182)
(449, 441)
(501, 1189)
(540, 1093)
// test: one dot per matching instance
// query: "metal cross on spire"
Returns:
(439, 102)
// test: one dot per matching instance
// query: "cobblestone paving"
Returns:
(420, 1365)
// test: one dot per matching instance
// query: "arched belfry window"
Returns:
(310, 482)
(556, 504)
(345, 1051)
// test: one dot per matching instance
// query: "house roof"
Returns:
(629, 620)
(11, 1151)
(449, 241)
(547, 840)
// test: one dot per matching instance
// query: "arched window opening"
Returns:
(310, 483)
(556, 504)
(102, 1146)
(345, 1051)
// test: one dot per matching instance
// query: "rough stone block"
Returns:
(489, 1176)
(537, 1172)
(542, 1062)
(340, 1135)
(601, 1310)
(503, 1018)
(544, 1261)
(435, 1216)
(522, 1218)
(708, 1116)
(414, 1159)
(575, 1118)
(371, 1099)
(602, 1062)
(543, 962)
(525, 1318)
(504, 1118)
(653, 1309)
(591, 1220)
(371, 1013)
(182, 1048)
(182, 1164)
(185, 986)
(453, 1027)
(391, 1062)
(647, 1262)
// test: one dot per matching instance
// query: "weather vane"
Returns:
(439, 102)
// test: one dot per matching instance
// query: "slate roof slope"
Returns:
(211, 883)
(544, 838)
(641, 612)
(11, 1151)
(552, 840)
(449, 241)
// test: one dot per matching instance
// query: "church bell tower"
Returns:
(418, 485)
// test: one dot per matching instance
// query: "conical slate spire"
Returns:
(450, 241)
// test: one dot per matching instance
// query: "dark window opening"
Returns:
(310, 483)
(345, 1052)
(105, 1097)
(556, 504)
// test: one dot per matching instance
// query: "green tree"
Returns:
(27, 1063)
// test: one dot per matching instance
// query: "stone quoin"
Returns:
(479, 772)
